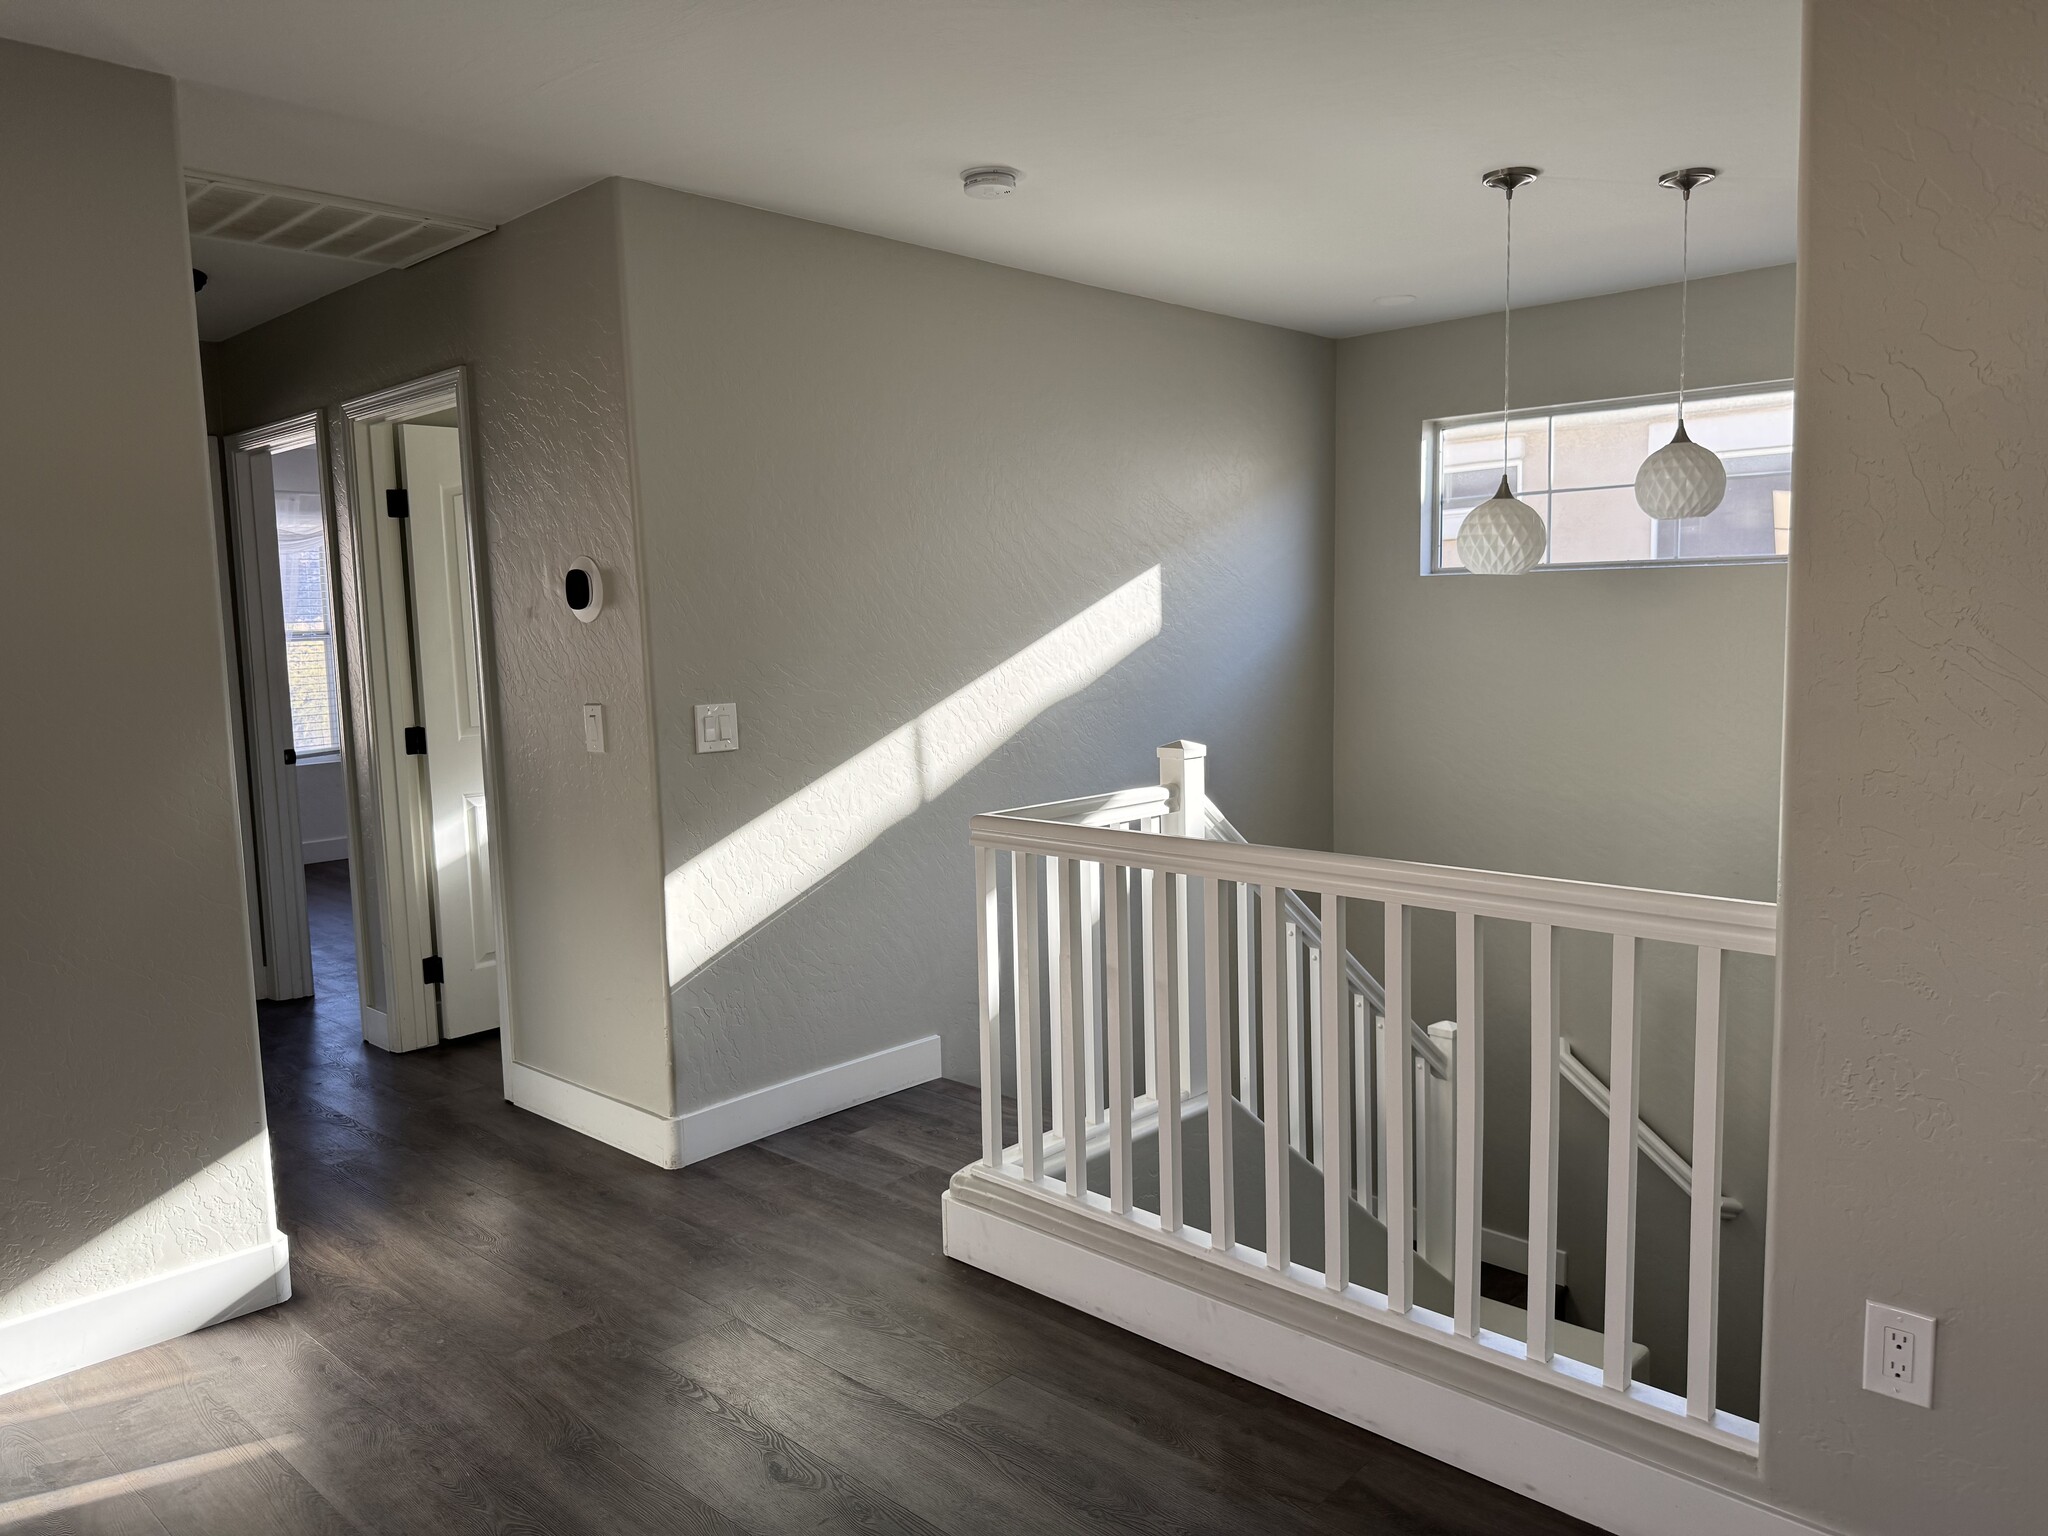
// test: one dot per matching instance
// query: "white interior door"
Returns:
(451, 708)
(285, 947)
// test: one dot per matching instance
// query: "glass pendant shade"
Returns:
(1681, 479)
(1501, 537)
(1504, 536)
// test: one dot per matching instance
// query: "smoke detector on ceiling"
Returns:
(988, 181)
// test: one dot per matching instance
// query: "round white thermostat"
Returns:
(583, 590)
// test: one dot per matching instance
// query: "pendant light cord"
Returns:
(1684, 289)
(1507, 336)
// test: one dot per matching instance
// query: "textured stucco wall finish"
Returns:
(131, 1101)
(953, 537)
(1912, 1119)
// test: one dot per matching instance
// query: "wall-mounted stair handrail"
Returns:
(1362, 980)
(1572, 1068)
(1660, 1152)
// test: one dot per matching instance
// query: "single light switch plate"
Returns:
(593, 727)
(718, 727)
(1898, 1354)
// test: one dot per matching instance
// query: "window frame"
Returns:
(330, 636)
(1433, 429)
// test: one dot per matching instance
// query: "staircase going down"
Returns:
(1136, 952)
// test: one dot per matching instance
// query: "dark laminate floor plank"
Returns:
(1404, 1491)
(823, 1145)
(354, 1445)
(499, 1325)
(762, 1477)
(514, 1428)
(54, 1476)
(1129, 1482)
(588, 1263)
(424, 1261)
(844, 1327)
(922, 1135)
(896, 1219)
(925, 1464)
(203, 1469)
(83, 1512)
(999, 1330)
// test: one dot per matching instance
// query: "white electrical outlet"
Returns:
(1898, 1354)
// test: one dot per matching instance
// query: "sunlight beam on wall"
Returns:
(743, 880)
(219, 1209)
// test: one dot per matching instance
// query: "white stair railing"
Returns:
(1110, 907)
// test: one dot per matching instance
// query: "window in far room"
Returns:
(310, 667)
(1576, 465)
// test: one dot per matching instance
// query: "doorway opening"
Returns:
(369, 766)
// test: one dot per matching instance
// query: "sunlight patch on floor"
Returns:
(56, 1501)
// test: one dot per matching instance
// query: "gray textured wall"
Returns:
(131, 1104)
(1912, 1127)
(533, 311)
(1619, 726)
(873, 480)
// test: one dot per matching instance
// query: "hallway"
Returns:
(499, 1325)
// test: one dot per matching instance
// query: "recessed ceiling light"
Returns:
(1394, 300)
(988, 181)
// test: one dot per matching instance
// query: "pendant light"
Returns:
(1682, 479)
(1504, 536)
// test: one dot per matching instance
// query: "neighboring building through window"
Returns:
(1577, 466)
(308, 623)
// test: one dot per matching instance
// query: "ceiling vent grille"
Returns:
(288, 219)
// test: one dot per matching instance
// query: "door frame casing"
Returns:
(285, 958)
(231, 629)
(380, 696)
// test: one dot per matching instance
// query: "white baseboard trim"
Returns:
(68, 1338)
(1614, 1490)
(700, 1133)
(749, 1116)
(628, 1127)
(318, 850)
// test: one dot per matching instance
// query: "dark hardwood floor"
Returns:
(499, 1325)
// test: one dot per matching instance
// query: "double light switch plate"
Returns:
(718, 727)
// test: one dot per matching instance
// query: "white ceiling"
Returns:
(1294, 161)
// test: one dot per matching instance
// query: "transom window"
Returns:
(1576, 465)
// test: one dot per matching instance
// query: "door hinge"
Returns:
(397, 503)
(291, 755)
(415, 741)
(430, 971)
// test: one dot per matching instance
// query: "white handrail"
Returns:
(1107, 810)
(1757, 919)
(1707, 922)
